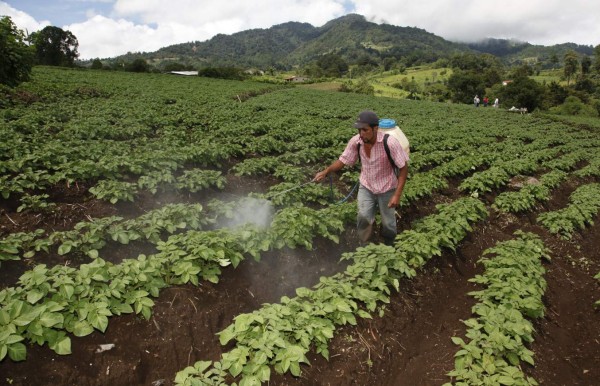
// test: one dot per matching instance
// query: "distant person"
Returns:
(486, 101)
(476, 101)
(496, 103)
(379, 185)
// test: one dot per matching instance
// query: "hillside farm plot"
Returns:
(157, 230)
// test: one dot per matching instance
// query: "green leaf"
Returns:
(513, 358)
(67, 291)
(12, 339)
(295, 369)
(226, 335)
(505, 380)
(458, 341)
(63, 346)
(100, 323)
(82, 328)
(17, 352)
(34, 295)
(51, 319)
(236, 368)
(123, 238)
(64, 249)
(3, 351)
(4, 317)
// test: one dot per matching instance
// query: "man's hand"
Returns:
(394, 201)
(320, 175)
(334, 167)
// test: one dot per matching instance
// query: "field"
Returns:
(161, 230)
(549, 76)
(422, 76)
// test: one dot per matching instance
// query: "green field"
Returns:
(139, 145)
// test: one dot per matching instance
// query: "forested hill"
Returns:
(512, 51)
(352, 37)
(296, 44)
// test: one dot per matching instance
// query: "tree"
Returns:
(138, 65)
(464, 85)
(332, 65)
(597, 59)
(571, 64)
(574, 106)
(523, 70)
(222, 73)
(17, 56)
(176, 66)
(586, 65)
(55, 47)
(554, 60)
(361, 87)
(97, 64)
(556, 94)
(523, 92)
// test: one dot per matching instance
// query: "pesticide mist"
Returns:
(251, 211)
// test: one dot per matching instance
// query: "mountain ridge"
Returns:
(352, 37)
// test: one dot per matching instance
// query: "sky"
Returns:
(108, 28)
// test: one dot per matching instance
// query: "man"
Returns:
(379, 185)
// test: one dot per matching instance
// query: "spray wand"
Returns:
(293, 188)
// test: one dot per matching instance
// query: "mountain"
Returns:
(293, 44)
(515, 52)
(251, 48)
(352, 37)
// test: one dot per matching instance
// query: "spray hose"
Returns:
(349, 194)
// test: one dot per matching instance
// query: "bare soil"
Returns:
(409, 345)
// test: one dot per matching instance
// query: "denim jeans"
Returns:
(367, 206)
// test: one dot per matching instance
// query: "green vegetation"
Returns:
(17, 57)
(366, 58)
(122, 135)
(514, 286)
(55, 47)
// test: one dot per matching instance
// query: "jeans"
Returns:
(367, 206)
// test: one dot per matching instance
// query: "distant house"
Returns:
(297, 79)
(186, 73)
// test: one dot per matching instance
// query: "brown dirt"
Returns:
(409, 345)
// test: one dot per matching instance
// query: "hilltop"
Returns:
(352, 37)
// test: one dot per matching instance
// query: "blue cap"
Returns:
(387, 123)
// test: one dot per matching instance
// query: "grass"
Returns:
(548, 76)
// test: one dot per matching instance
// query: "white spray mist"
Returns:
(251, 210)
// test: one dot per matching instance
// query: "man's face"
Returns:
(368, 134)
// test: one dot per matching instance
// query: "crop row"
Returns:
(530, 193)
(49, 302)
(278, 336)
(513, 289)
(583, 207)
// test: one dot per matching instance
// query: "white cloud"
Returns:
(536, 21)
(21, 19)
(255, 14)
(181, 21)
(147, 25)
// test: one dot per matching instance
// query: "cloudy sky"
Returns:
(107, 28)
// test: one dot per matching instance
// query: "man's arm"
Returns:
(395, 200)
(334, 167)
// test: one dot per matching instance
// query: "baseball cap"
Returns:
(366, 118)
